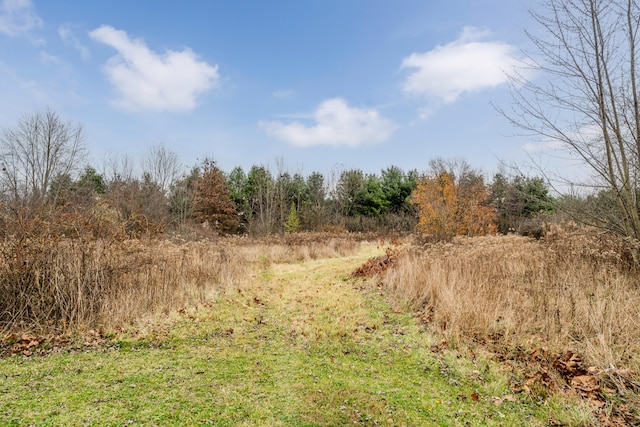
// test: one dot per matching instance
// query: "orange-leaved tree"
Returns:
(437, 204)
(453, 200)
(476, 215)
(212, 201)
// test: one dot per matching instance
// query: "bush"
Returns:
(79, 270)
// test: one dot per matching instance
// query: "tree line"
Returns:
(40, 177)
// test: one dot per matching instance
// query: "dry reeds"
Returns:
(575, 292)
(68, 283)
(52, 279)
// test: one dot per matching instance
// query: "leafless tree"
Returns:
(263, 200)
(162, 165)
(586, 98)
(118, 167)
(41, 147)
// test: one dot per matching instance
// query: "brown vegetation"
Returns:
(538, 304)
(453, 203)
(60, 283)
(79, 272)
(212, 204)
(379, 266)
(297, 247)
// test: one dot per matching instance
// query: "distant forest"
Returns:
(41, 179)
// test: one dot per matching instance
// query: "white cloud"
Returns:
(336, 123)
(147, 80)
(464, 65)
(19, 93)
(18, 17)
(425, 112)
(65, 33)
(541, 147)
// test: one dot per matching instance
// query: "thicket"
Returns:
(75, 269)
(348, 200)
(453, 200)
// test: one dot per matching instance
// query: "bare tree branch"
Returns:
(162, 165)
(41, 147)
(586, 101)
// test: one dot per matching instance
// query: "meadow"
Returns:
(496, 330)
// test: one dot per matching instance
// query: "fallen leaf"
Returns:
(585, 383)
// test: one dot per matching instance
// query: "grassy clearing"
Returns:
(298, 344)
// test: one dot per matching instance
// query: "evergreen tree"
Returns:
(293, 222)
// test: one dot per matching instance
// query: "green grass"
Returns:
(300, 346)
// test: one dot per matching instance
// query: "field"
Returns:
(485, 331)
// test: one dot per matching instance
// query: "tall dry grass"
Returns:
(300, 247)
(571, 291)
(72, 284)
(50, 281)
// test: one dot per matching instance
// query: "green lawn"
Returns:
(301, 346)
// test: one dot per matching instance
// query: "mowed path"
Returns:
(301, 345)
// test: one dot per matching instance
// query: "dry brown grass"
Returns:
(69, 284)
(299, 247)
(572, 291)
(57, 284)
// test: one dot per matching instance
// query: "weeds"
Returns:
(67, 271)
(570, 293)
(64, 283)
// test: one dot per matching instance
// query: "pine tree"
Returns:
(293, 222)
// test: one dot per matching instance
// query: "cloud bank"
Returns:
(18, 17)
(146, 80)
(467, 64)
(336, 124)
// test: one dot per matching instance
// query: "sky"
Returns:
(316, 85)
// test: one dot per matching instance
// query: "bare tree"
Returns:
(162, 165)
(41, 147)
(587, 101)
(118, 168)
(262, 200)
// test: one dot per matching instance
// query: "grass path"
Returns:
(301, 346)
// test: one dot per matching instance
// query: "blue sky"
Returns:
(319, 84)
